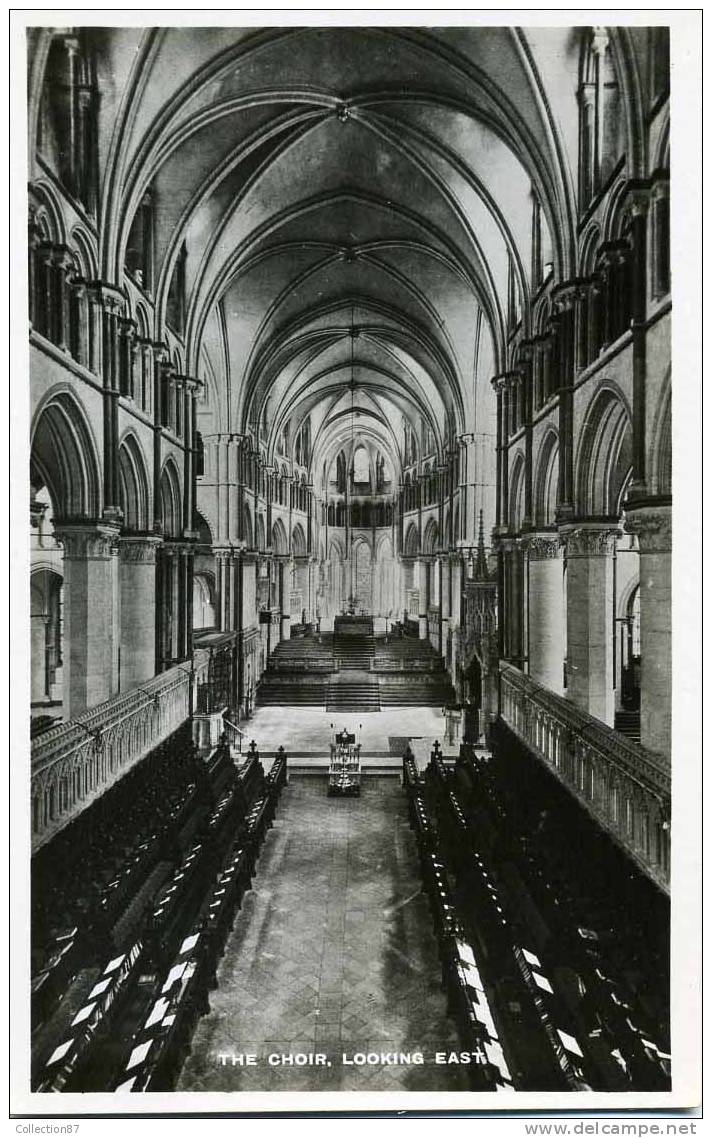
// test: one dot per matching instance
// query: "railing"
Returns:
(75, 762)
(405, 664)
(286, 664)
(624, 786)
(235, 735)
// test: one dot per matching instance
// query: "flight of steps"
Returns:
(355, 652)
(298, 691)
(432, 690)
(628, 724)
(353, 692)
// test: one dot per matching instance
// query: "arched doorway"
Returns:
(630, 653)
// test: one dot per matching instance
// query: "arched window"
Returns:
(66, 124)
(361, 468)
(203, 607)
(541, 245)
(175, 305)
(139, 247)
(661, 239)
(599, 115)
(513, 305)
(659, 63)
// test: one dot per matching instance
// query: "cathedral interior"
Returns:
(350, 530)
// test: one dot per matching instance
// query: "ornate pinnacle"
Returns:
(481, 573)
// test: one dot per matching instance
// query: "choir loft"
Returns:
(350, 469)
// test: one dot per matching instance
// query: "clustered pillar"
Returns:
(545, 610)
(652, 525)
(92, 616)
(590, 601)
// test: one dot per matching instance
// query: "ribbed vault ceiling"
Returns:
(351, 201)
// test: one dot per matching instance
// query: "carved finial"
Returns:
(481, 573)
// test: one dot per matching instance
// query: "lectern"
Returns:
(344, 766)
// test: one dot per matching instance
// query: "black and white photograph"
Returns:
(347, 348)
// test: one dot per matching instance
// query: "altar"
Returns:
(353, 624)
(344, 766)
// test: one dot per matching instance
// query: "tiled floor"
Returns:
(332, 953)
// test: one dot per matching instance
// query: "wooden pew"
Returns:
(65, 1067)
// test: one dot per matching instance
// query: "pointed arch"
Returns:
(604, 456)
(247, 530)
(546, 480)
(279, 541)
(205, 535)
(411, 544)
(661, 448)
(133, 484)
(171, 515)
(336, 549)
(516, 493)
(384, 548)
(204, 606)
(82, 246)
(63, 457)
(431, 536)
(48, 213)
(298, 542)
(260, 532)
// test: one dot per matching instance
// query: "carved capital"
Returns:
(541, 546)
(87, 541)
(110, 298)
(565, 294)
(37, 512)
(639, 198)
(128, 328)
(139, 550)
(589, 539)
(652, 525)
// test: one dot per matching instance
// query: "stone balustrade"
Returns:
(622, 785)
(313, 664)
(75, 762)
(405, 664)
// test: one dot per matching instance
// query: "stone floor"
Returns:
(304, 730)
(332, 953)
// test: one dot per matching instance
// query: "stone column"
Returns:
(527, 396)
(638, 487)
(63, 265)
(652, 525)
(564, 300)
(34, 240)
(285, 599)
(545, 610)
(419, 583)
(498, 386)
(91, 613)
(95, 320)
(138, 609)
(595, 304)
(125, 361)
(78, 320)
(589, 617)
(38, 657)
(45, 314)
